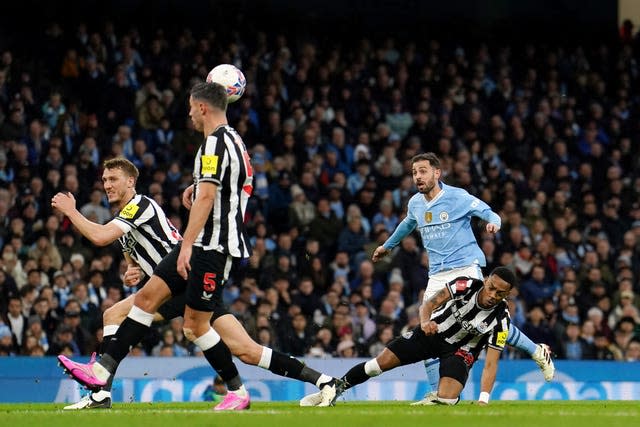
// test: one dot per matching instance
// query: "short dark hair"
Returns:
(213, 94)
(507, 275)
(124, 164)
(433, 160)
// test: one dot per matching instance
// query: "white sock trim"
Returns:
(208, 340)
(242, 392)
(140, 316)
(101, 395)
(109, 330)
(100, 372)
(372, 368)
(324, 378)
(265, 358)
(447, 401)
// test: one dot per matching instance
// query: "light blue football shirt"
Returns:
(444, 224)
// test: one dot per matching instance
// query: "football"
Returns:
(231, 78)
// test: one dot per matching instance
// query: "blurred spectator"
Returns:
(8, 290)
(573, 346)
(347, 348)
(63, 342)
(36, 331)
(17, 321)
(364, 328)
(366, 277)
(383, 337)
(7, 345)
(538, 287)
(537, 327)
(71, 322)
(306, 298)
(169, 341)
(94, 210)
(297, 338)
(301, 211)
(625, 307)
(46, 315)
(632, 352)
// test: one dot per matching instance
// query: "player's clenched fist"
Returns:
(379, 253)
(133, 275)
(64, 202)
(429, 327)
(186, 197)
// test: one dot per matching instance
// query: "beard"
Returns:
(426, 189)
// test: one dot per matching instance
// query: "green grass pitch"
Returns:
(351, 414)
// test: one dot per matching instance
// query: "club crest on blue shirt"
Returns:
(444, 216)
(428, 216)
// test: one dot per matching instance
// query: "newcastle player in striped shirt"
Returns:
(456, 323)
(442, 215)
(146, 236)
(213, 242)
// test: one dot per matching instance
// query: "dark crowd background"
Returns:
(531, 106)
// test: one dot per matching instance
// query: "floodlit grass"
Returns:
(351, 414)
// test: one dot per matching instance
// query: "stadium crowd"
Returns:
(547, 136)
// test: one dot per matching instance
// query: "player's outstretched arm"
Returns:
(403, 229)
(489, 373)
(379, 253)
(98, 234)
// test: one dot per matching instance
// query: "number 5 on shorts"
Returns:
(209, 281)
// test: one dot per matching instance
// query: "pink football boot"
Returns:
(233, 402)
(82, 373)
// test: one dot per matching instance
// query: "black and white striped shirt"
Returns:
(223, 160)
(463, 323)
(148, 234)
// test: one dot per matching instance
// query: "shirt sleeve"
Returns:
(481, 210)
(406, 226)
(213, 159)
(134, 214)
(498, 335)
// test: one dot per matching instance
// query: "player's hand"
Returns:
(429, 327)
(492, 228)
(133, 275)
(64, 202)
(186, 197)
(379, 253)
(183, 266)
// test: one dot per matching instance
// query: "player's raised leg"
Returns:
(96, 374)
(252, 353)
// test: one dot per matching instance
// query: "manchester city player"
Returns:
(442, 214)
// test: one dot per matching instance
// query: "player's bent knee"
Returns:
(116, 314)
(113, 316)
(372, 368)
(455, 371)
(145, 302)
